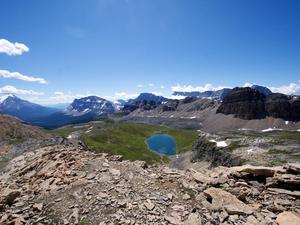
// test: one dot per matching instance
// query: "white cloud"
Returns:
(19, 76)
(247, 84)
(140, 85)
(176, 97)
(189, 88)
(56, 98)
(162, 87)
(58, 93)
(291, 88)
(10, 48)
(121, 95)
(61, 97)
(157, 93)
(150, 85)
(13, 90)
(288, 89)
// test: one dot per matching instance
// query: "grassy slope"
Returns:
(128, 139)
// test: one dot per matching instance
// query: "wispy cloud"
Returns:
(13, 90)
(62, 97)
(150, 85)
(19, 76)
(121, 95)
(139, 85)
(247, 84)
(291, 88)
(156, 93)
(162, 87)
(10, 48)
(56, 98)
(189, 88)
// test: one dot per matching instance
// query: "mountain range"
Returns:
(219, 94)
(254, 102)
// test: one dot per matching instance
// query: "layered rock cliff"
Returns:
(248, 103)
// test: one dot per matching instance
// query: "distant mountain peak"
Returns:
(148, 97)
(4, 97)
(217, 95)
(262, 89)
(90, 104)
(23, 109)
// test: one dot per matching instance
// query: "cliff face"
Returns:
(244, 103)
(283, 106)
(247, 103)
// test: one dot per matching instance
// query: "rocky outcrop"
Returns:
(170, 106)
(248, 103)
(244, 103)
(283, 106)
(222, 199)
(287, 218)
(145, 101)
(208, 151)
(63, 185)
(142, 105)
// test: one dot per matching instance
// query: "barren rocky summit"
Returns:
(63, 185)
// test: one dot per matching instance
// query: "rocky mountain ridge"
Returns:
(219, 95)
(147, 97)
(254, 103)
(25, 110)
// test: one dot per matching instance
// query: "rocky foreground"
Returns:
(63, 185)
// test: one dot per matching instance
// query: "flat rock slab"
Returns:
(202, 178)
(223, 199)
(259, 170)
(287, 218)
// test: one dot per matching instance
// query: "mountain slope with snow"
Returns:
(79, 111)
(91, 104)
(217, 95)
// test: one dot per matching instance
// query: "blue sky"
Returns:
(118, 48)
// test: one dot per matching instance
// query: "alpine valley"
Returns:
(233, 158)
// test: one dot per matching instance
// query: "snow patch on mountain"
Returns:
(91, 104)
(4, 97)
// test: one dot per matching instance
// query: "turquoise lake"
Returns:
(162, 143)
